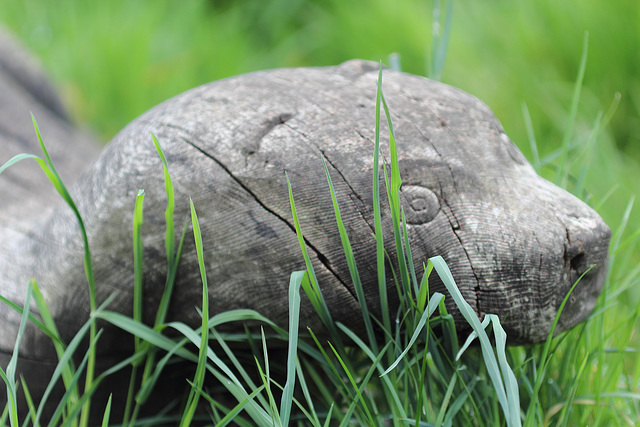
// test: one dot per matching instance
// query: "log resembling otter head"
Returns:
(514, 242)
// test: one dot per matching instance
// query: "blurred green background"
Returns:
(112, 60)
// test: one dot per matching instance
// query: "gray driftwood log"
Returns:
(514, 242)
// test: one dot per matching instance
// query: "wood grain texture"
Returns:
(514, 242)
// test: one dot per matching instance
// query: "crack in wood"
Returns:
(321, 257)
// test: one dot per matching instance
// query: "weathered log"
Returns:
(514, 242)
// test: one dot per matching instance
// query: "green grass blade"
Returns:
(169, 240)
(361, 391)
(469, 314)
(351, 262)
(615, 244)
(566, 409)
(313, 289)
(50, 170)
(239, 407)
(243, 315)
(313, 416)
(48, 324)
(382, 283)
(147, 382)
(510, 382)
(393, 193)
(155, 372)
(423, 396)
(163, 307)
(322, 381)
(434, 301)
(138, 259)
(107, 413)
(16, 159)
(445, 401)
(138, 274)
(472, 337)
(456, 406)
(354, 384)
(13, 362)
(407, 246)
(268, 382)
(580, 184)
(144, 332)
(440, 38)
(37, 322)
(423, 289)
(240, 368)
(389, 385)
(332, 371)
(315, 295)
(328, 419)
(532, 138)
(9, 376)
(568, 134)
(66, 359)
(196, 338)
(48, 327)
(68, 368)
(545, 355)
(198, 382)
(29, 401)
(11, 408)
(396, 181)
(294, 316)
(64, 401)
